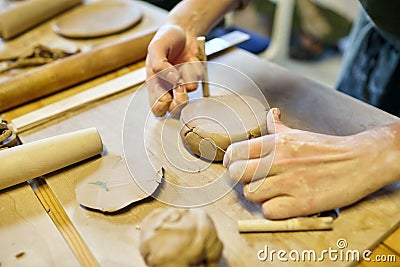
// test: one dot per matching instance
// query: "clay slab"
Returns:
(211, 124)
(99, 18)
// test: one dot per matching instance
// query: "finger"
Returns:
(283, 207)
(180, 99)
(161, 68)
(249, 149)
(157, 63)
(162, 105)
(274, 123)
(261, 190)
(159, 54)
(191, 73)
(246, 171)
(159, 97)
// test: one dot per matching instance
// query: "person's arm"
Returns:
(198, 17)
(294, 173)
(175, 43)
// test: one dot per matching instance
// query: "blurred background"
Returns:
(317, 31)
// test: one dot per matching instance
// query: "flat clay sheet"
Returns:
(98, 18)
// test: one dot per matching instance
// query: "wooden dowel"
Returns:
(52, 111)
(295, 224)
(201, 43)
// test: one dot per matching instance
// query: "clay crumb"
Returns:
(19, 255)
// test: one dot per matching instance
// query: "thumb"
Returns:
(274, 124)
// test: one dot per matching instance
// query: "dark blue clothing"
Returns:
(371, 69)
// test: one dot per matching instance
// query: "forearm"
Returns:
(198, 16)
(384, 144)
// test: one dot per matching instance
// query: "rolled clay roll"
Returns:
(23, 16)
(210, 125)
(31, 160)
(180, 237)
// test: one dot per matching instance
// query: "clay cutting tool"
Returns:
(322, 221)
(201, 44)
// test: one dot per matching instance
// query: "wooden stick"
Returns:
(295, 224)
(201, 43)
(72, 70)
(31, 160)
(61, 107)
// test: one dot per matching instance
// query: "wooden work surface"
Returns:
(113, 238)
(31, 239)
(28, 236)
(152, 17)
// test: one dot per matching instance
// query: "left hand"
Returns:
(170, 46)
(295, 173)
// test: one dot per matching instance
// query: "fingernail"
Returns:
(276, 112)
(255, 185)
(225, 162)
(160, 108)
(180, 89)
(162, 100)
(226, 159)
(172, 77)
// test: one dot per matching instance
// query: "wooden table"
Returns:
(79, 236)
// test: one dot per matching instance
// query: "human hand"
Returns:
(295, 173)
(170, 46)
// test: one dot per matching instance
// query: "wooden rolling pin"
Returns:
(20, 17)
(72, 70)
(289, 225)
(24, 162)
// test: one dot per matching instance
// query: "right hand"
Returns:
(294, 173)
(170, 46)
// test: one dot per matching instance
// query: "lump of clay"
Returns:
(99, 18)
(210, 125)
(179, 237)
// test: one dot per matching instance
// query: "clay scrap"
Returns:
(97, 19)
(65, 72)
(210, 125)
(106, 185)
(180, 237)
(36, 56)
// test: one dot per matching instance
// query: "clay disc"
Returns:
(98, 19)
(209, 125)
